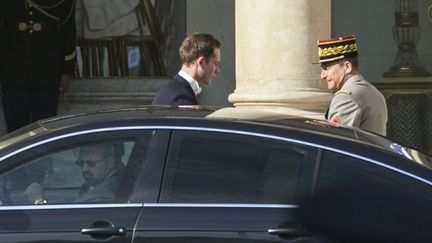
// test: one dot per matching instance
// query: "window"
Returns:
(359, 182)
(339, 170)
(360, 196)
(85, 169)
(212, 167)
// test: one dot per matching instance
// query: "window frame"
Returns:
(305, 176)
(57, 142)
(393, 174)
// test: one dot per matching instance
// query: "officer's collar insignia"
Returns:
(343, 91)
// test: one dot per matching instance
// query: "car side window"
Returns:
(215, 167)
(90, 169)
(339, 172)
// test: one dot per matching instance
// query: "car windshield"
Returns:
(324, 127)
(360, 135)
(392, 146)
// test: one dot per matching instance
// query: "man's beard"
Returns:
(89, 178)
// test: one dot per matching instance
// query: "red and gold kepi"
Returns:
(334, 49)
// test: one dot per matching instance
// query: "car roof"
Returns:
(307, 124)
(261, 117)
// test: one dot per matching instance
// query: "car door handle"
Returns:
(293, 232)
(104, 231)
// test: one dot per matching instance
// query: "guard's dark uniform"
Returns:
(37, 46)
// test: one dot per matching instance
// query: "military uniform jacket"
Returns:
(358, 103)
(37, 42)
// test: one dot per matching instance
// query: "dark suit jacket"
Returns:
(176, 92)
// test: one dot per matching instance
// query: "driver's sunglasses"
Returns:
(90, 163)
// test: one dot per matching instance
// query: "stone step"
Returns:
(92, 94)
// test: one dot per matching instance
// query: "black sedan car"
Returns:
(197, 175)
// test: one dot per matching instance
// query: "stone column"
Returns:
(275, 49)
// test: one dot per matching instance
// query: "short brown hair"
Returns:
(197, 45)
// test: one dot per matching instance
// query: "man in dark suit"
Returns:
(200, 57)
(37, 44)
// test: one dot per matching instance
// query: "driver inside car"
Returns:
(99, 170)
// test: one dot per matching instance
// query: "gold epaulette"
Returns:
(343, 91)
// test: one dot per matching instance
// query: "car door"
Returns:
(61, 217)
(358, 199)
(227, 186)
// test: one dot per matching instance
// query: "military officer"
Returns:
(356, 101)
(38, 50)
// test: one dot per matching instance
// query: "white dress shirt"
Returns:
(192, 82)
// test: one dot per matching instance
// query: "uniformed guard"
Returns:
(38, 50)
(356, 102)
